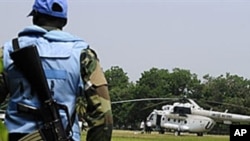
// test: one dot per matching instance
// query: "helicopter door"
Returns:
(158, 120)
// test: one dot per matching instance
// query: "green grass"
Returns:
(3, 132)
(121, 135)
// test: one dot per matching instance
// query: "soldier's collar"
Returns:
(49, 28)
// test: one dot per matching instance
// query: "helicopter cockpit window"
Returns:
(151, 117)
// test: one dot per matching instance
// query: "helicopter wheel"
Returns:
(161, 131)
(200, 134)
(177, 133)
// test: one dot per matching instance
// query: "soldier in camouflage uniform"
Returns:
(61, 52)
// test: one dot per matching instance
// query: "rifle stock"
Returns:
(27, 60)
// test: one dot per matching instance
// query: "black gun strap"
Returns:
(72, 120)
(15, 44)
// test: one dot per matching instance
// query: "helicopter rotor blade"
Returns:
(142, 99)
(154, 105)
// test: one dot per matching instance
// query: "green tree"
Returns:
(119, 89)
(183, 82)
(152, 84)
(227, 92)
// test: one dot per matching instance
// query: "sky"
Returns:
(203, 36)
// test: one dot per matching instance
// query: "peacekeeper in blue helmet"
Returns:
(72, 70)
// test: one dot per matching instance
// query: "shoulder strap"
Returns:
(15, 44)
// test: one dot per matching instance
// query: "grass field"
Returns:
(121, 135)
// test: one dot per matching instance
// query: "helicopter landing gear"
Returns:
(200, 134)
(161, 131)
(177, 133)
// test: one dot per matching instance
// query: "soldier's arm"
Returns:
(99, 115)
(3, 88)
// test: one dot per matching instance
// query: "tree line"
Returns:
(224, 92)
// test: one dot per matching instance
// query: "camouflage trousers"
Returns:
(100, 133)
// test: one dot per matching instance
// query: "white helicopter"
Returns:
(187, 117)
(176, 119)
(190, 117)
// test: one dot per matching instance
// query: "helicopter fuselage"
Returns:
(185, 123)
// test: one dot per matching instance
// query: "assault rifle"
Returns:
(27, 60)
